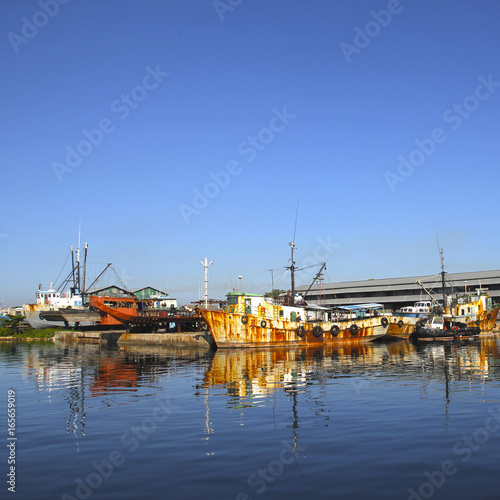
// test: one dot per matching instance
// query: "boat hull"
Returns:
(484, 320)
(438, 335)
(238, 330)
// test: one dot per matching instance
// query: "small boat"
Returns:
(443, 328)
(420, 309)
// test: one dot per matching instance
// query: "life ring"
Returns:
(301, 331)
(317, 331)
(63, 295)
(454, 328)
(400, 323)
(263, 324)
(384, 321)
(47, 301)
(354, 329)
(244, 320)
(334, 330)
(488, 315)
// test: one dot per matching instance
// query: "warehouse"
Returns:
(394, 293)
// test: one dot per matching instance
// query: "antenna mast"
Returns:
(292, 247)
(206, 265)
(443, 279)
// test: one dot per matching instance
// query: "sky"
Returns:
(167, 131)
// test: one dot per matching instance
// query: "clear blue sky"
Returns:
(175, 130)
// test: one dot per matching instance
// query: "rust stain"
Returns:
(236, 329)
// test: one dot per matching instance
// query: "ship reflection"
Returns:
(86, 375)
(249, 375)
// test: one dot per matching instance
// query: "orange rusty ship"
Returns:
(251, 320)
(146, 315)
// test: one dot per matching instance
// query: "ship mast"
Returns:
(443, 284)
(73, 270)
(292, 263)
(82, 291)
(292, 272)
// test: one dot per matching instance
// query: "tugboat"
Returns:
(443, 328)
(473, 309)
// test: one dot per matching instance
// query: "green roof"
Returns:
(242, 294)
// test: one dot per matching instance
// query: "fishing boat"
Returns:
(66, 304)
(420, 309)
(475, 309)
(443, 329)
(251, 320)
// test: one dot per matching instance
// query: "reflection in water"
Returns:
(248, 377)
(369, 417)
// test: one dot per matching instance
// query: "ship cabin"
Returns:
(258, 305)
(54, 298)
(472, 303)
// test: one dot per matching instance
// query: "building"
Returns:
(394, 293)
(142, 293)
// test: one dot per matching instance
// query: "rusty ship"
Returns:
(153, 314)
(475, 310)
(251, 320)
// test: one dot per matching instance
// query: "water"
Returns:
(365, 421)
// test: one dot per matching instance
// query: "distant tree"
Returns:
(13, 322)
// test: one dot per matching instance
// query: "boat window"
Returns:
(232, 300)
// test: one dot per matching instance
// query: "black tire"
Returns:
(400, 323)
(334, 330)
(244, 320)
(317, 331)
(488, 315)
(300, 331)
(384, 321)
(354, 329)
(263, 324)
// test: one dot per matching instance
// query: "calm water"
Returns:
(387, 421)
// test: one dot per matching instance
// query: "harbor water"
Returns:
(357, 421)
